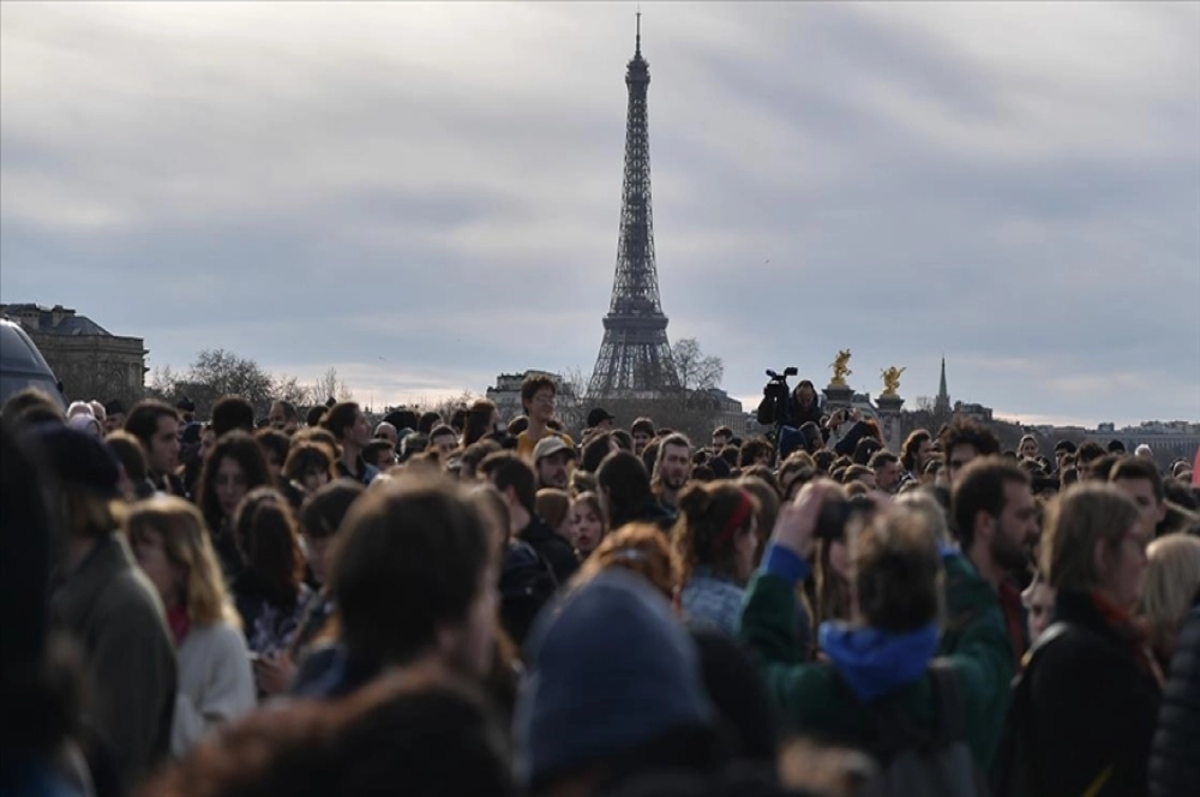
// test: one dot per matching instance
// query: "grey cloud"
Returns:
(339, 184)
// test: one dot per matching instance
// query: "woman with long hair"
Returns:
(1169, 590)
(482, 419)
(716, 538)
(236, 466)
(586, 524)
(831, 577)
(215, 684)
(1086, 706)
(270, 592)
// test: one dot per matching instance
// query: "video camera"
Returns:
(776, 394)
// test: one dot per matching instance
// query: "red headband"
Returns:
(735, 522)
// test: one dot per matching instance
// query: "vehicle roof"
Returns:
(18, 354)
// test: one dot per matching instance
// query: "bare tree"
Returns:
(696, 371)
(329, 386)
(571, 400)
(163, 380)
(217, 372)
(288, 388)
(446, 407)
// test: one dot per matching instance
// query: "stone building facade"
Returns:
(90, 361)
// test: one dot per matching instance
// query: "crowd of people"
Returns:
(300, 604)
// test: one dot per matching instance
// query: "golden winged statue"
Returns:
(891, 380)
(840, 367)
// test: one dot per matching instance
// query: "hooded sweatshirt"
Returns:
(831, 700)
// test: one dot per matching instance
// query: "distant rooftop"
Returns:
(56, 320)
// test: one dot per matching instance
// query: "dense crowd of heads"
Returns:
(315, 602)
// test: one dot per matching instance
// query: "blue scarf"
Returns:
(876, 662)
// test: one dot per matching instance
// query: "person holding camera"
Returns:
(883, 659)
(779, 407)
(844, 429)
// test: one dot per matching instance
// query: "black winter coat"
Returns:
(556, 550)
(1094, 708)
(1175, 760)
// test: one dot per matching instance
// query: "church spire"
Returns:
(942, 404)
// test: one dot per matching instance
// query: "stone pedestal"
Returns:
(837, 397)
(889, 404)
(889, 418)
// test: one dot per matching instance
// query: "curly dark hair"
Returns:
(244, 450)
(708, 525)
(965, 431)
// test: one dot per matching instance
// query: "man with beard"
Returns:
(551, 457)
(996, 519)
(672, 471)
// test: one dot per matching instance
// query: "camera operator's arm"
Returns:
(773, 622)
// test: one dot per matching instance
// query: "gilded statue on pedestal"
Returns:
(891, 380)
(841, 368)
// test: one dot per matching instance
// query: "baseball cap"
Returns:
(549, 446)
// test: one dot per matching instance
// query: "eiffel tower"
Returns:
(635, 357)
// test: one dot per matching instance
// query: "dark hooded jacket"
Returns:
(552, 547)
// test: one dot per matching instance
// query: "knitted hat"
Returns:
(610, 669)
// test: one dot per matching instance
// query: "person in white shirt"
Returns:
(215, 682)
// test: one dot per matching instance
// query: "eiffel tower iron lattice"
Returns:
(635, 357)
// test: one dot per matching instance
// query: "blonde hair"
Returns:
(185, 541)
(927, 506)
(642, 548)
(1170, 586)
(1077, 520)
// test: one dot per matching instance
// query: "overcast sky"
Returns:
(425, 195)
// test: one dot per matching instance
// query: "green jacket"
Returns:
(969, 601)
(818, 702)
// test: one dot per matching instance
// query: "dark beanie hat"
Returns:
(790, 439)
(609, 669)
(77, 458)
